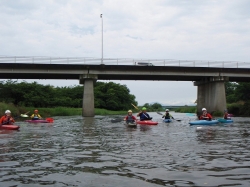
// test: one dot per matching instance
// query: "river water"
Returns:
(77, 151)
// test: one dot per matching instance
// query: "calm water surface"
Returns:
(76, 151)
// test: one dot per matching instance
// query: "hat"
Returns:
(166, 110)
(204, 109)
(144, 108)
(7, 111)
(130, 111)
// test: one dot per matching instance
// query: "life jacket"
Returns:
(35, 116)
(130, 118)
(6, 121)
(144, 116)
(167, 115)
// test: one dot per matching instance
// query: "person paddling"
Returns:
(167, 115)
(7, 119)
(144, 115)
(205, 115)
(130, 118)
(226, 116)
(35, 116)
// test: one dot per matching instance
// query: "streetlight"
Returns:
(102, 39)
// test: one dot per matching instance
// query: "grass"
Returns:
(186, 109)
(57, 111)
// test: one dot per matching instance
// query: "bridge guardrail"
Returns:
(122, 61)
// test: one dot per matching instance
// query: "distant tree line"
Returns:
(238, 98)
(110, 96)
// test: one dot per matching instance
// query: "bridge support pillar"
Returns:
(88, 107)
(211, 94)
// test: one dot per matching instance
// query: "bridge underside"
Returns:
(121, 72)
(211, 90)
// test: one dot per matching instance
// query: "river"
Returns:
(93, 152)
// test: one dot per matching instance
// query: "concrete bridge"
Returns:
(209, 77)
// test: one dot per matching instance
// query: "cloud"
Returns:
(159, 29)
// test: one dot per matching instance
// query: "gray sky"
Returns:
(154, 29)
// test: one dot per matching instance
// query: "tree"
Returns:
(230, 88)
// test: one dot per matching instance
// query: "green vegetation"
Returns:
(109, 96)
(57, 111)
(152, 108)
(217, 114)
(186, 109)
(238, 98)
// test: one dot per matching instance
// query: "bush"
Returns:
(186, 109)
(217, 113)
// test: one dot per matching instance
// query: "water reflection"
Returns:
(79, 151)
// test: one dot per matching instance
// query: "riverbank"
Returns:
(57, 111)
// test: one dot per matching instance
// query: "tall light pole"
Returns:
(102, 40)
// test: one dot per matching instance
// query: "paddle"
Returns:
(117, 120)
(25, 115)
(50, 120)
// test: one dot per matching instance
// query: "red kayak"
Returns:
(147, 122)
(47, 120)
(9, 127)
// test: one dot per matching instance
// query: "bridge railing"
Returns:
(122, 61)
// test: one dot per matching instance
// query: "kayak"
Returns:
(131, 124)
(9, 127)
(203, 122)
(47, 120)
(167, 120)
(221, 120)
(147, 122)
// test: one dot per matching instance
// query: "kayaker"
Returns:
(7, 119)
(35, 116)
(205, 115)
(144, 115)
(130, 118)
(226, 116)
(167, 115)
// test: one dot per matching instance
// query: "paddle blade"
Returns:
(24, 115)
(116, 120)
(50, 120)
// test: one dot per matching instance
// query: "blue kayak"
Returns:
(167, 120)
(203, 122)
(221, 120)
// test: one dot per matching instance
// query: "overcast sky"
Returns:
(155, 29)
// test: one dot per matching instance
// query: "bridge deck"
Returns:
(118, 72)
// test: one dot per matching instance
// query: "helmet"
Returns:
(130, 111)
(35, 110)
(225, 110)
(7, 111)
(204, 109)
(166, 110)
(144, 108)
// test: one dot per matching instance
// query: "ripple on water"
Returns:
(94, 152)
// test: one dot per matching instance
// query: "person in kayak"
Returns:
(167, 115)
(205, 115)
(7, 119)
(130, 118)
(143, 114)
(35, 116)
(226, 116)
